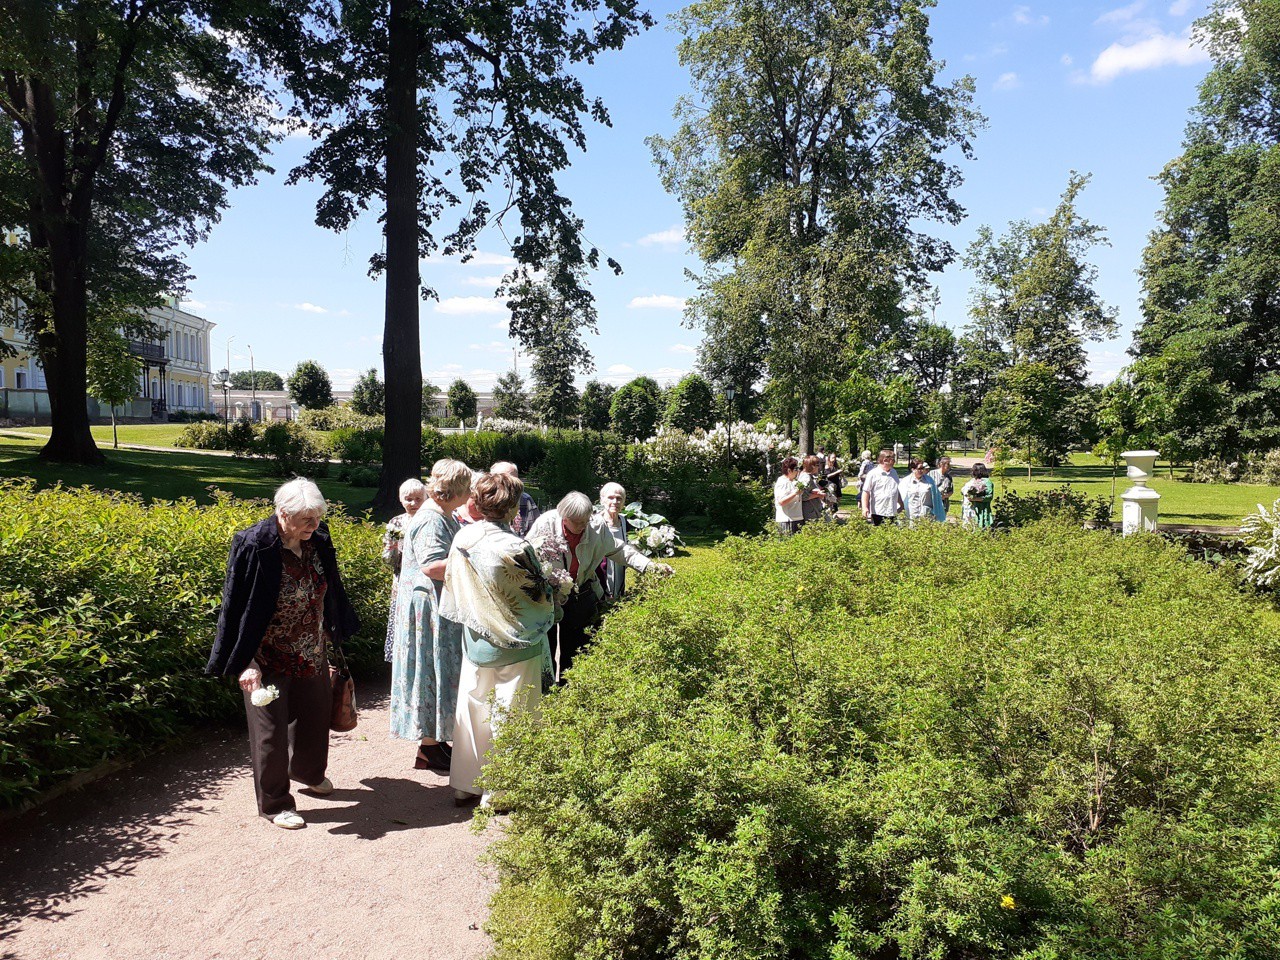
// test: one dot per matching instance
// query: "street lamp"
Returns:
(253, 386)
(729, 393)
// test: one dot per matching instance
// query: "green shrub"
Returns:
(241, 437)
(292, 449)
(107, 615)
(1050, 744)
(203, 435)
(338, 417)
(1212, 470)
(1020, 509)
(355, 446)
(1264, 469)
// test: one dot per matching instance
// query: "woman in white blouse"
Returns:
(787, 511)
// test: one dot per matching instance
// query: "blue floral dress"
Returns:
(426, 657)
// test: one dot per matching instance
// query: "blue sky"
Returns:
(1099, 88)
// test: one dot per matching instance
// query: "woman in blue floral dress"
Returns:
(426, 657)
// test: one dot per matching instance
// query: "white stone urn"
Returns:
(1141, 504)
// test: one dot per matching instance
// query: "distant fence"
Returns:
(33, 405)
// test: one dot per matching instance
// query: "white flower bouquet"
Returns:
(264, 695)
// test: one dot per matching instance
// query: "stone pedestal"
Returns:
(1141, 504)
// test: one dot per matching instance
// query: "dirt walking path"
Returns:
(168, 860)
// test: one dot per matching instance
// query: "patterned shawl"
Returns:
(494, 585)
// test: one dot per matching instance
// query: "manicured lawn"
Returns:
(147, 434)
(162, 476)
(1180, 503)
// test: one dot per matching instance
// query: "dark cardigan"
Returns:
(249, 596)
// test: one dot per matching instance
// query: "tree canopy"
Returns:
(691, 405)
(1208, 344)
(509, 398)
(309, 386)
(461, 401)
(368, 395)
(634, 410)
(256, 380)
(127, 122)
(817, 145)
(593, 405)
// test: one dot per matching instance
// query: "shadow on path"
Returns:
(66, 850)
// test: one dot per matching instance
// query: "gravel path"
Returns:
(169, 860)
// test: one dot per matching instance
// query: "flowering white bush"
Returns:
(754, 451)
(503, 425)
(649, 532)
(1261, 534)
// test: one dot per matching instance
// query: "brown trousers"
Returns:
(298, 719)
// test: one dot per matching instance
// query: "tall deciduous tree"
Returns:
(368, 395)
(634, 409)
(256, 380)
(691, 405)
(112, 374)
(127, 120)
(1208, 345)
(593, 406)
(509, 397)
(461, 401)
(1033, 307)
(811, 154)
(423, 105)
(309, 386)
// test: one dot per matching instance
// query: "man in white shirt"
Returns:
(880, 499)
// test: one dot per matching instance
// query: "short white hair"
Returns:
(300, 496)
(412, 485)
(574, 506)
(507, 467)
(612, 487)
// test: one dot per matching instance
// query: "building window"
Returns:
(20, 379)
(1, 378)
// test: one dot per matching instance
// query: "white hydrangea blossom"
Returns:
(1261, 534)
(754, 451)
(503, 425)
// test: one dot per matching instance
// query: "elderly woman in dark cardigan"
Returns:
(283, 606)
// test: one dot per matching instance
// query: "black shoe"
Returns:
(432, 756)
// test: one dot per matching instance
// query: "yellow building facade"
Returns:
(174, 372)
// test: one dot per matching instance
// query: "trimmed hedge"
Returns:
(877, 743)
(107, 613)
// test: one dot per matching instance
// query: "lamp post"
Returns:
(729, 393)
(226, 385)
(253, 386)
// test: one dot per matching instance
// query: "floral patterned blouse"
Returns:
(295, 643)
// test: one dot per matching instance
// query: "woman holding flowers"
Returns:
(427, 654)
(576, 542)
(412, 493)
(283, 607)
(612, 573)
(978, 494)
(787, 512)
(497, 588)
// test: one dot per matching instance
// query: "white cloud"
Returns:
(681, 348)
(661, 301)
(1150, 53)
(1023, 17)
(1008, 81)
(309, 308)
(1067, 60)
(1123, 14)
(491, 282)
(470, 305)
(620, 368)
(1179, 8)
(663, 238)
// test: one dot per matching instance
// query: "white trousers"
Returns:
(485, 696)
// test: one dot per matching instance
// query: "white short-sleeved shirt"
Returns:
(783, 512)
(882, 488)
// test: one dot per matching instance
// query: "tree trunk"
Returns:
(115, 436)
(806, 425)
(401, 340)
(64, 352)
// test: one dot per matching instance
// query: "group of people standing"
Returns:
(923, 495)
(491, 602)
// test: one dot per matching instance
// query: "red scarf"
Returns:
(572, 539)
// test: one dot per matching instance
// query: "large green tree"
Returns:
(817, 146)
(369, 395)
(1208, 344)
(309, 386)
(509, 397)
(424, 105)
(462, 403)
(634, 409)
(691, 405)
(112, 374)
(593, 405)
(256, 380)
(126, 122)
(1033, 308)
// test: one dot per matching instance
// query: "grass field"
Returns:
(147, 434)
(157, 475)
